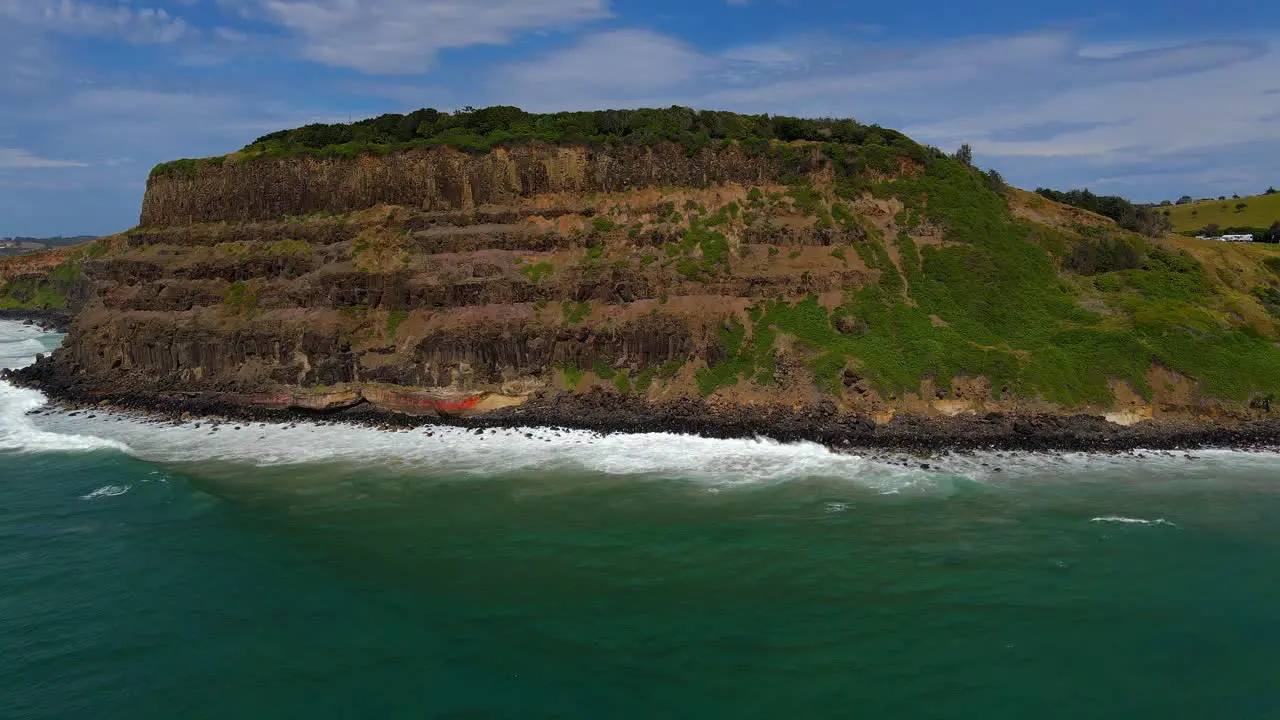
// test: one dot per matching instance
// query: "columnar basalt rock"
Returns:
(439, 178)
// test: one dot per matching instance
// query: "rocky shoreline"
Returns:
(610, 412)
(48, 320)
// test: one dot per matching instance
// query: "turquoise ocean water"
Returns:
(152, 571)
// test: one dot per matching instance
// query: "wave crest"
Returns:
(1131, 521)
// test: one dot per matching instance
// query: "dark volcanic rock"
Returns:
(50, 320)
(610, 412)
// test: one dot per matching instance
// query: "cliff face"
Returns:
(435, 282)
(438, 178)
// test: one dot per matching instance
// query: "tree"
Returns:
(1241, 206)
(995, 181)
(1138, 218)
(965, 155)
(1211, 229)
(1185, 199)
(1270, 191)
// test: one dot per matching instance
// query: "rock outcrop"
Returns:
(438, 178)
(826, 281)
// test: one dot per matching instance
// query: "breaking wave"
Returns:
(1131, 521)
(107, 491)
(19, 345)
(441, 451)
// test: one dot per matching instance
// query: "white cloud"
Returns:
(765, 54)
(230, 35)
(143, 104)
(15, 159)
(1050, 106)
(92, 19)
(608, 67)
(1154, 103)
(404, 36)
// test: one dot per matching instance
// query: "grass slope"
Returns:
(1013, 314)
(1260, 212)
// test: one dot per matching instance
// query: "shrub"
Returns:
(395, 319)
(572, 375)
(536, 271)
(480, 130)
(603, 369)
(575, 313)
(1092, 257)
(1145, 220)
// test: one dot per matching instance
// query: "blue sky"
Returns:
(1146, 99)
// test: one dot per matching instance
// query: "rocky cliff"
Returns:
(437, 178)
(436, 282)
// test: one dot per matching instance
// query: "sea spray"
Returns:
(19, 345)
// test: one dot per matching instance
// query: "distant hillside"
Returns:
(49, 242)
(1259, 211)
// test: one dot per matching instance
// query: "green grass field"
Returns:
(1260, 211)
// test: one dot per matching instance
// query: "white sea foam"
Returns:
(1132, 521)
(455, 452)
(106, 491)
(19, 345)
(19, 433)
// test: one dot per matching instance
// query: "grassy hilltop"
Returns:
(1259, 211)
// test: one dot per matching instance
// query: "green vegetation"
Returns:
(480, 130)
(603, 369)
(241, 297)
(701, 254)
(575, 313)
(1270, 299)
(395, 319)
(50, 291)
(809, 201)
(378, 250)
(572, 375)
(1007, 313)
(1260, 213)
(670, 369)
(1145, 220)
(622, 382)
(645, 380)
(1093, 256)
(603, 224)
(535, 271)
(31, 293)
